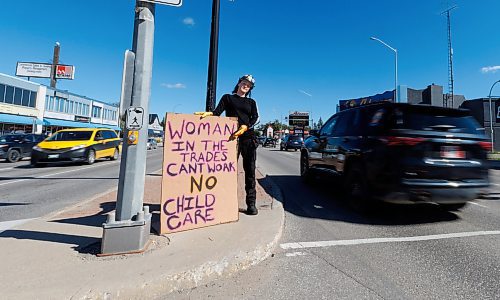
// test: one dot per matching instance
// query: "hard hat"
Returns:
(248, 78)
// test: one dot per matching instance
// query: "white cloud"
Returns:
(188, 21)
(174, 85)
(491, 69)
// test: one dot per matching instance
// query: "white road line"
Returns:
(474, 203)
(10, 224)
(59, 173)
(303, 245)
(298, 253)
(9, 168)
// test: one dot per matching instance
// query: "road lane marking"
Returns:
(6, 225)
(58, 173)
(319, 244)
(298, 253)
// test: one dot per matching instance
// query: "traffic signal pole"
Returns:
(128, 230)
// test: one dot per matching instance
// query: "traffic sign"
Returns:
(166, 2)
(135, 118)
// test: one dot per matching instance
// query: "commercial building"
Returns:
(27, 106)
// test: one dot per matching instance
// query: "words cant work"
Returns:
(199, 161)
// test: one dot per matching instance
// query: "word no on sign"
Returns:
(166, 2)
(135, 116)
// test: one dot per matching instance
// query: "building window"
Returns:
(9, 94)
(96, 112)
(32, 99)
(2, 93)
(18, 95)
(26, 98)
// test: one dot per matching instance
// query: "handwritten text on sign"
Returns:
(199, 184)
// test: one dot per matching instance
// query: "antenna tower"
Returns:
(448, 98)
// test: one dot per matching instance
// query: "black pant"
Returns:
(247, 146)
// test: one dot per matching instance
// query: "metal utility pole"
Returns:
(212, 59)
(491, 119)
(55, 61)
(128, 231)
(396, 98)
(448, 99)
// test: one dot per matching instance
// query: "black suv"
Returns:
(401, 153)
(292, 142)
(13, 147)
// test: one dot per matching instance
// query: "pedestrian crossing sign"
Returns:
(135, 117)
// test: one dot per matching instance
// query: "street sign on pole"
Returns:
(135, 118)
(165, 2)
(29, 69)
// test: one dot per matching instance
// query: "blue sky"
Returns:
(305, 55)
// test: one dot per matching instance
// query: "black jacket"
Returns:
(245, 109)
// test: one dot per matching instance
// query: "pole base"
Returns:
(125, 237)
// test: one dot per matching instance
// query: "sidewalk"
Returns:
(54, 257)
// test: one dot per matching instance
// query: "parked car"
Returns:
(401, 153)
(261, 140)
(14, 147)
(291, 142)
(151, 143)
(269, 142)
(77, 145)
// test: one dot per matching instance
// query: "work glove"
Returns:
(204, 114)
(240, 131)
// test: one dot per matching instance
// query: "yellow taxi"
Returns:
(77, 145)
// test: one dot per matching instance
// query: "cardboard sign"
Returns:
(199, 184)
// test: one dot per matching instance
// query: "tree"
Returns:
(319, 124)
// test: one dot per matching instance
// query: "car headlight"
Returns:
(78, 147)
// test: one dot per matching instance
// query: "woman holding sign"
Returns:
(240, 105)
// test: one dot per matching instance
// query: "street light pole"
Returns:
(491, 118)
(396, 98)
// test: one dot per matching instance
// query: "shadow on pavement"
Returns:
(48, 237)
(13, 204)
(323, 200)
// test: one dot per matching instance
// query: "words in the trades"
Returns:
(199, 173)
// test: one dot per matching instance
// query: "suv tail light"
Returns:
(401, 140)
(485, 145)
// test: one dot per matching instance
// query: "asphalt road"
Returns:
(27, 192)
(417, 252)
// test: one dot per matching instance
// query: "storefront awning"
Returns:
(15, 119)
(66, 123)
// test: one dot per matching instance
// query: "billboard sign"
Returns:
(385, 96)
(28, 69)
(297, 118)
(65, 72)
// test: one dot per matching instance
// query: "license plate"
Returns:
(53, 156)
(452, 152)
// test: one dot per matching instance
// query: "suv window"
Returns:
(71, 136)
(348, 123)
(327, 129)
(434, 120)
(107, 134)
(295, 138)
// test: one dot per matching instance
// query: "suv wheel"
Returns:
(91, 157)
(13, 155)
(305, 171)
(357, 189)
(115, 154)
